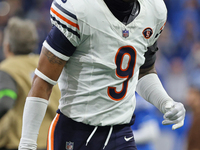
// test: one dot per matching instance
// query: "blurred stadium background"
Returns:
(178, 58)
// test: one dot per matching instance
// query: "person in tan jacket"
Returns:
(16, 73)
(193, 101)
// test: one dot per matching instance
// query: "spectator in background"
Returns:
(193, 102)
(146, 127)
(176, 74)
(35, 10)
(175, 81)
(16, 72)
(167, 43)
(193, 97)
(189, 37)
(192, 63)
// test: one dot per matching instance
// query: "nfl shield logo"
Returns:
(125, 33)
(69, 145)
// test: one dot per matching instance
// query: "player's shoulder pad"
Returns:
(78, 7)
(158, 8)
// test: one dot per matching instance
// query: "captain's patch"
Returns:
(147, 33)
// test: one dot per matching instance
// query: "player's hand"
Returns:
(174, 114)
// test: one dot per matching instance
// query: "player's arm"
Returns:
(59, 45)
(151, 89)
(47, 74)
(53, 58)
(55, 53)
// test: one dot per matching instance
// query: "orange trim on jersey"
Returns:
(50, 144)
(65, 19)
(163, 26)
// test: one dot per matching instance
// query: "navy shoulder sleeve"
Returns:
(57, 40)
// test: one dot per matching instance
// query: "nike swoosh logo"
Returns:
(128, 139)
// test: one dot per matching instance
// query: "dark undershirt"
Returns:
(125, 12)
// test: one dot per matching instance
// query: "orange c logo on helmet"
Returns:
(147, 32)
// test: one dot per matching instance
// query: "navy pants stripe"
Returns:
(66, 134)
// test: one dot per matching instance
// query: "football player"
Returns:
(100, 52)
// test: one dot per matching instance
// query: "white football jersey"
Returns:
(99, 80)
